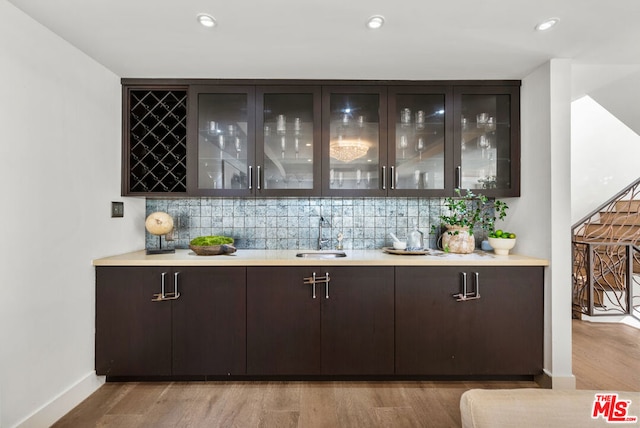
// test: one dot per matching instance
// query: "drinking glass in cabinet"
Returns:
(418, 152)
(288, 155)
(485, 148)
(222, 141)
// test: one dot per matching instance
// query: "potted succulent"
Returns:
(464, 214)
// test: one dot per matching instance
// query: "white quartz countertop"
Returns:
(288, 258)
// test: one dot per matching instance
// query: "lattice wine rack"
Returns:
(157, 141)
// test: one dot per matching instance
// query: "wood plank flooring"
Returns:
(341, 404)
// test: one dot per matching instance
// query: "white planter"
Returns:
(501, 246)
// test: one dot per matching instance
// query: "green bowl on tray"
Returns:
(212, 245)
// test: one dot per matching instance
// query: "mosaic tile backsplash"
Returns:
(293, 223)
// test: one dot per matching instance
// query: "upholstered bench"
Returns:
(538, 408)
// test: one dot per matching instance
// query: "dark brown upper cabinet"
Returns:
(420, 153)
(221, 140)
(317, 138)
(354, 141)
(154, 139)
(487, 139)
(288, 140)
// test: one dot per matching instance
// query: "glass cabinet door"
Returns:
(354, 141)
(487, 143)
(224, 140)
(288, 141)
(417, 148)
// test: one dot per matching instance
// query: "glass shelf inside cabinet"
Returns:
(419, 141)
(288, 141)
(485, 142)
(354, 141)
(222, 141)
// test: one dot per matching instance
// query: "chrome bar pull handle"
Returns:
(462, 296)
(259, 178)
(159, 297)
(314, 285)
(176, 293)
(326, 286)
(464, 285)
(384, 178)
(393, 177)
(250, 177)
(467, 295)
(476, 293)
(458, 176)
(163, 275)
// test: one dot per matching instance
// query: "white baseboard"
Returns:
(624, 319)
(548, 380)
(61, 405)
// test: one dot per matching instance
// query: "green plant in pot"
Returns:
(466, 213)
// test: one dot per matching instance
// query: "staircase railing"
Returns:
(606, 257)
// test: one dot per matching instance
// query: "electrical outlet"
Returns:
(117, 209)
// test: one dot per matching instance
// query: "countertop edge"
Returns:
(288, 258)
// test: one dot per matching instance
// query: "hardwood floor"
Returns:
(341, 404)
(606, 356)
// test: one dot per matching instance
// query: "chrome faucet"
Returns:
(322, 242)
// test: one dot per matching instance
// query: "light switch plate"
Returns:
(117, 209)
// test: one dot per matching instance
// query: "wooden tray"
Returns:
(391, 250)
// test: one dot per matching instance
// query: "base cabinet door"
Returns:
(340, 327)
(133, 334)
(499, 333)
(283, 322)
(209, 321)
(198, 329)
(357, 321)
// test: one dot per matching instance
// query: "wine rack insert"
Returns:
(157, 141)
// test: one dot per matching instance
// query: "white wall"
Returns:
(541, 216)
(605, 155)
(59, 170)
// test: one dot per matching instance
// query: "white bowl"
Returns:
(501, 246)
(399, 245)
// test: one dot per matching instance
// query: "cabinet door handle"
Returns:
(393, 177)
(250, 177)
(314, 285)
(326, 286)
(163, 275)
(476, 292)
(384, 178)
(159, 297)
(465, 295)
(258, 178)
(176, 293)
(163, 295)
(458, 176)
(311, 280)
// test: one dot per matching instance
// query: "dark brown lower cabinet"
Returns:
(202, 332)
(344, 328)
(501, 333)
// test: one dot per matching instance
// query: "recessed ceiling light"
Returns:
(375, 22)
(206, 20)
(547, 24)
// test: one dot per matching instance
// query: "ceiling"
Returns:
(463, 39)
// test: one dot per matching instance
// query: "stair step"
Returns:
(616, 232)
(620, 218)
(627, 206)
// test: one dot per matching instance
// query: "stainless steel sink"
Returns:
(321, 254)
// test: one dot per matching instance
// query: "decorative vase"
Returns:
(457, 239)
